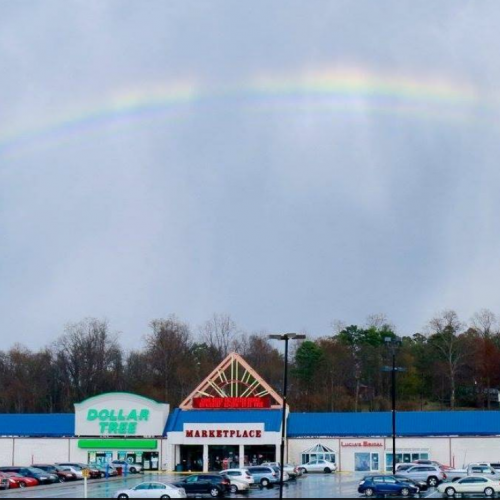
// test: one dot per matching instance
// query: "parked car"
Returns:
(431, 474)
(152, 490)
(206, 484)
(322, 466)
(30, 472)
(77, 471)
(372, 486)
(4, 482)
(432, 462)
(16, 481)
(241, 480)
(292, 470)
(471, 486)
(132, 468)
(105, 469)
(473, 470)
(62, 474)
(421, 485)
(94, 473)
(265, 476)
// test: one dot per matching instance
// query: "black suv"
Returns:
(206, 484)
(40, 475)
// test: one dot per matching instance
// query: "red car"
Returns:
(16, 481)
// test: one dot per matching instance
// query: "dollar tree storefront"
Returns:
(121, 426)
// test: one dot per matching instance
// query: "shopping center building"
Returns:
(233, 419)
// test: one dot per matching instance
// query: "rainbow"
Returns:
(353, 91)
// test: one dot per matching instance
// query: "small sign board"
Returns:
(86, 473)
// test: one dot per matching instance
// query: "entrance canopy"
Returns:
(233, 385)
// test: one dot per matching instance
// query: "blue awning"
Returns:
(270, 418)
(52, 425)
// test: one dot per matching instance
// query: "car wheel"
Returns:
(133, 470)
(234, 489)
(123, 496)
(62, 479)
(489, 492)
(433, 482)
(405, 492)
(369, 493)
(450, 492)
(304, 471)
(265, 483)
(327, 471)
(165, 496)
(214, 493)
(22, 485)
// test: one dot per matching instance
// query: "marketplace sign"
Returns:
(224, 433)
(120, 414)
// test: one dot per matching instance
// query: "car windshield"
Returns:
(32, 470)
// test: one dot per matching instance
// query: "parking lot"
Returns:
(312, 486)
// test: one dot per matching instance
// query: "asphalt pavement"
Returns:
(311, 486)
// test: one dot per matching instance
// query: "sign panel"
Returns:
(120, 414)
(362, 444)
(232, 403)
(224, 434)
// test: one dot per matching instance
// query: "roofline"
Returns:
(99, 396)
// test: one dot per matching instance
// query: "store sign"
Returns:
(362, 444)
(222, 434)
(232, 403)
(120, 414)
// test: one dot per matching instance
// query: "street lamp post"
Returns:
(285, 338)
(393, 343)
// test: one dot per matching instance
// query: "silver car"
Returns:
(152, 490)
(430, 474)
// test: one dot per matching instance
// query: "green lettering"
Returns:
(104, 415)
(113, 428)
(144, 416)
(132, 415)
(132, 428)
(104, 427)
(121, 416)
(92, 415)
(112, 416)
(122, 429)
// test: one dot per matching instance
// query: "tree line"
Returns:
(449, 365)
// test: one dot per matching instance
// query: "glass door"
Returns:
(367, 462)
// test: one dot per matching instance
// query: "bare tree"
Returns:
(221, 334)
(89, 358)
(485, 323)
(445, 339)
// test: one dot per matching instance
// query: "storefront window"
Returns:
(405, 458)
(319, 452)
(223, 457)
(191, 459)
(257, 455)
(367, 462)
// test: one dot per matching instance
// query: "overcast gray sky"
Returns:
(261, 196)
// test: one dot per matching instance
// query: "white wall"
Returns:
(468, 450)
(40, 451)
(6, 447)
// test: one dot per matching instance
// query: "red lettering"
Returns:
(251, 434)
(245, 435)
(204, 434)
(189, 434)
(212, 434)
(259, 434)
(197, 434)
(233, 434)
(219, 434)
(226, 434)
